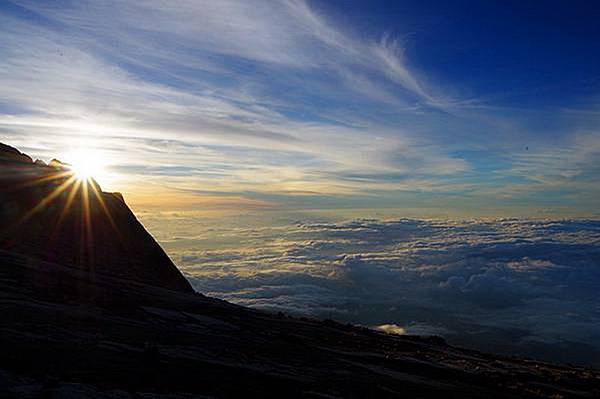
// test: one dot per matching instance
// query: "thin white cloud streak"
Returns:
(579, 156)
(571, 167)
(391, 53)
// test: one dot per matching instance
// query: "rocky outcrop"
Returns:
(48, 213)
(55, 163)
(10, 154)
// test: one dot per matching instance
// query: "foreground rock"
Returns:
(88, 324)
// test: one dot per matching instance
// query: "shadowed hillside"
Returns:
(50, 214)
(92, 307)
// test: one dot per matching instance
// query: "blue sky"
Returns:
(474, 107)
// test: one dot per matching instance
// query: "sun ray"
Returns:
(43, 179)
(44, 202)
(76, 180)
(88, 238)
(66, 207)
(105, 208)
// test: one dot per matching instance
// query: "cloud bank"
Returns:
(523, 287)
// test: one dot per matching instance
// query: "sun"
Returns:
(86, 164)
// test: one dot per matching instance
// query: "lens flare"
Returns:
(86, 164)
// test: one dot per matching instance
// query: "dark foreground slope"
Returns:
(75, 327)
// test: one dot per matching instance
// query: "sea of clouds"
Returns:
(513, 286)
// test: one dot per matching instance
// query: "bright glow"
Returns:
(86, 163)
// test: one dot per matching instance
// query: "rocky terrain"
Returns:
(47, 213)
(92, 307)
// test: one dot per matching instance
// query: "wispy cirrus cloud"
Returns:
(251, 95)
(86, 72)
(286, 33)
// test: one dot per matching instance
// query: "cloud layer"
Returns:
(514, 286)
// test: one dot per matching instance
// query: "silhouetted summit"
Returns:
(10, 154)
(91, 307)
(50, 214)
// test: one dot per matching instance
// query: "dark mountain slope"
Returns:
(48, 213)
(74, 326)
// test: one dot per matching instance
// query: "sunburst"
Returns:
(86, 164)
(75, 182)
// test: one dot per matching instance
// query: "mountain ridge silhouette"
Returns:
(50, 213)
